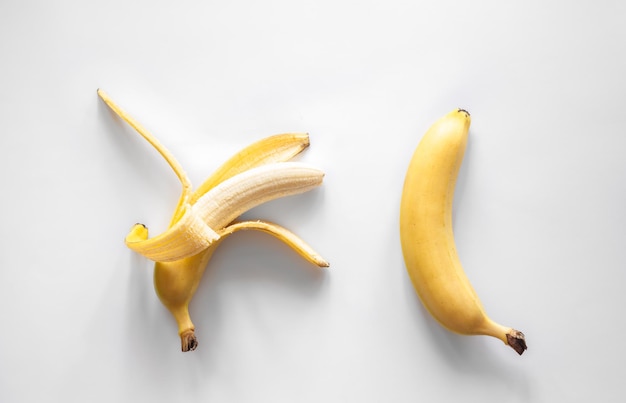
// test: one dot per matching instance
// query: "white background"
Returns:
(539, 209)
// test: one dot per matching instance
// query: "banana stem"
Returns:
(511, 337)
(188, 341)
(516, 340)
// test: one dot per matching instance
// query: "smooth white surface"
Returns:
(539, 210)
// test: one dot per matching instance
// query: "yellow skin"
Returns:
(176, 279)
(427, 237)
(176, 282)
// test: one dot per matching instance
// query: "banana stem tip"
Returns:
(517, 341)
(188, 340)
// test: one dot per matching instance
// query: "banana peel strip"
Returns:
(189, 235)
(281, 233)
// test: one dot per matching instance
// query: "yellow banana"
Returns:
(427, 238)
(204, 217)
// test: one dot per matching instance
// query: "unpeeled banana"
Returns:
(205, 216)
(427, 238)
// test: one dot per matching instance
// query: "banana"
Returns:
(204, 217)
(427, 237)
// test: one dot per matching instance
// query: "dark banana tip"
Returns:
(517, 341)
(464, 111)
(188, 340)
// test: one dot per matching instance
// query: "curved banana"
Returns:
(204, 217)
(427, 238)
(221, 205)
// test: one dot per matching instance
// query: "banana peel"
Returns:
(205, 216)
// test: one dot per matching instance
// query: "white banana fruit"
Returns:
(204, 217)
(224, 203)
(427, 237)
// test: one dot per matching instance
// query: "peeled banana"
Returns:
(206, 216)
(427, 238)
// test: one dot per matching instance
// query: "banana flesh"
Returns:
(427, 238)
(236, 195)
(204, 217)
